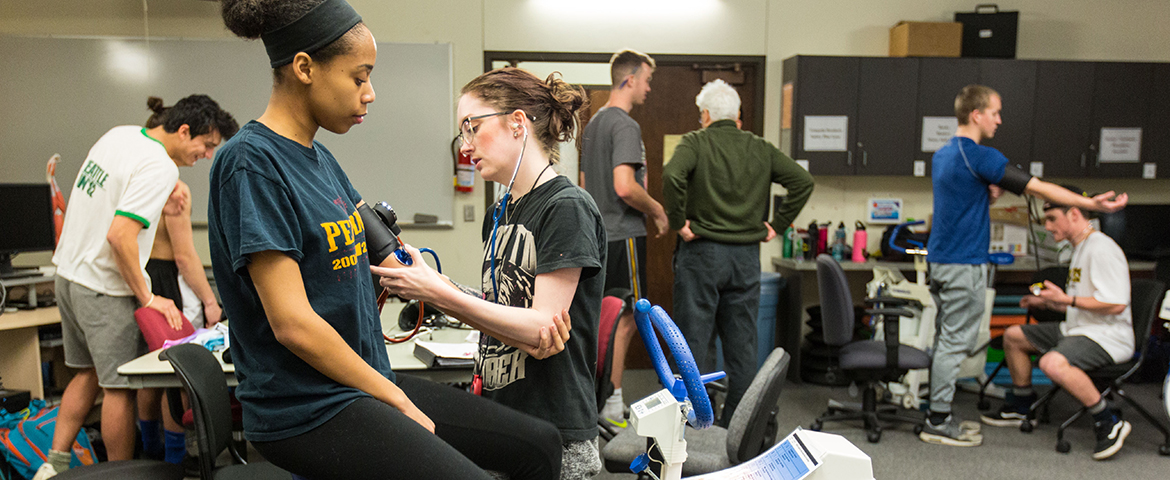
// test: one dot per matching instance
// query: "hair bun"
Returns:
(155, 104)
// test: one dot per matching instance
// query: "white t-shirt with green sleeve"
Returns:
(126, 173)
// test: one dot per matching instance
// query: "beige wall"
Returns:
(1049, 29)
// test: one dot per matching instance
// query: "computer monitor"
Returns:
(1142, 231)
(26, 221)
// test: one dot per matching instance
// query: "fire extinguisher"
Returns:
(464, 170)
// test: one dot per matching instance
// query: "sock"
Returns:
(937, 418)
(151, 440)
(614, 406)
(1100, 411)
(1023, 392)
(176, 446)
(60, 460)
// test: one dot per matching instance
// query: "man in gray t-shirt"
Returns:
(613, 171)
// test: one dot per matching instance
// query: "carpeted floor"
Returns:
(1006, 452)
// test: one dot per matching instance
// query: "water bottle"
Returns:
(787, 250)
(859, 242)
(839, 242)
(813, 240)
(823, 238)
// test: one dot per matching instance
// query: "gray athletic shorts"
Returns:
(98, 331)
(580, 460)
(1081, 351)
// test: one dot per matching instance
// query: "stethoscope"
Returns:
(477, 378)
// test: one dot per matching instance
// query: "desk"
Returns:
(148, 371)
(794, 302)
(20, 348)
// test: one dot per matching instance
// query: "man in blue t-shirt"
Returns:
(967, 177)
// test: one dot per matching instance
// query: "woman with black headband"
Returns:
(319, 397)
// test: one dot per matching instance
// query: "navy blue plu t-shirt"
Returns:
(554, 226)
(271, 193)
(960, 173)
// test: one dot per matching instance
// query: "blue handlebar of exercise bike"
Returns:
(898, 228)
(701, 416)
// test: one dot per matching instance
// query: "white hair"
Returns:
(719, 100)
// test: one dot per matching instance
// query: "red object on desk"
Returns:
(156, 330)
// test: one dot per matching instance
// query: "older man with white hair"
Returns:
(715, 191)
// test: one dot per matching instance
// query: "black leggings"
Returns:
(370, 439)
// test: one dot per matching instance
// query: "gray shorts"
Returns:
(98, 331)
(580, 460)
(1081, 351)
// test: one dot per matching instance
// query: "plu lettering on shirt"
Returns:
(344, 233)
(1074, 275)
(92, 176)
(503, 365)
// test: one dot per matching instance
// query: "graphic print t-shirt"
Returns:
(555, 226)
(271, 193)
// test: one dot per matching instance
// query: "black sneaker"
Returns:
(1007, 416)
(1110, 436)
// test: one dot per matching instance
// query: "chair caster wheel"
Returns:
(816, 426)
(1164, 450)
(909, 402)
(984, 405)
(873, 437)
(1063, 446)
(1026, 427)
(918, 429)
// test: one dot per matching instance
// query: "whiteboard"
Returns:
(59, 95)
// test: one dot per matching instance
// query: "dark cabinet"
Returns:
(1156, 136)
(875, 112)
(939, 81)
(1062, 117)
(1015, 81)
(1121, 101)
(824, 86)
(886, 109)
(873, 97)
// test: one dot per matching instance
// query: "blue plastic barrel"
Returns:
(770, 284)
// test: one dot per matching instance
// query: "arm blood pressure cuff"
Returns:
(1014, 180)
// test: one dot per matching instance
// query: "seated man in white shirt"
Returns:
(1097, 330)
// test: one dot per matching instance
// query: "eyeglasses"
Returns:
(467, 132)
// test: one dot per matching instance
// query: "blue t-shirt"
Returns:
(271, 193)
(960, 174)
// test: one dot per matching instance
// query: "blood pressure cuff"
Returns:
(1014, 180)
(380, 240)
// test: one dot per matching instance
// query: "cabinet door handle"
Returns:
(1082, 159)
(864, 158)
(849, 158)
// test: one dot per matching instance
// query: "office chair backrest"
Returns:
(1059, 277)
(1146, 298)
(202, 377)
(752, 429)
(611, 310)
(836, 302)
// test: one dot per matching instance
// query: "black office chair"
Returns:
(1058, 276)
(752, 429)
(869, 362)
(1146, 299)
(203, 379)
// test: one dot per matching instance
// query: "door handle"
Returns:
(1082, 159)
(864, 158)
(849, 158)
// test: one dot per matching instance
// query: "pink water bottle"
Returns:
(859, 242)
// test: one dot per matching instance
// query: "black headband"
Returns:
(317, 28)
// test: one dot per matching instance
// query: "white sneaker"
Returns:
(45, 472)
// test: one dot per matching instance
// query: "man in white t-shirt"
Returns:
(113, 212)
(1097, 330)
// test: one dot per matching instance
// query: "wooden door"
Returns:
(670, 110)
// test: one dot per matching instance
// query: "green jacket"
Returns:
(720, 178)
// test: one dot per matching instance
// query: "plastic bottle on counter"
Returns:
(859, 242)
(786, 252)
(838, 248)
(813, 241)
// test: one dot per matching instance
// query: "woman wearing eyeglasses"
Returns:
(319, 397)
(544, 249)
